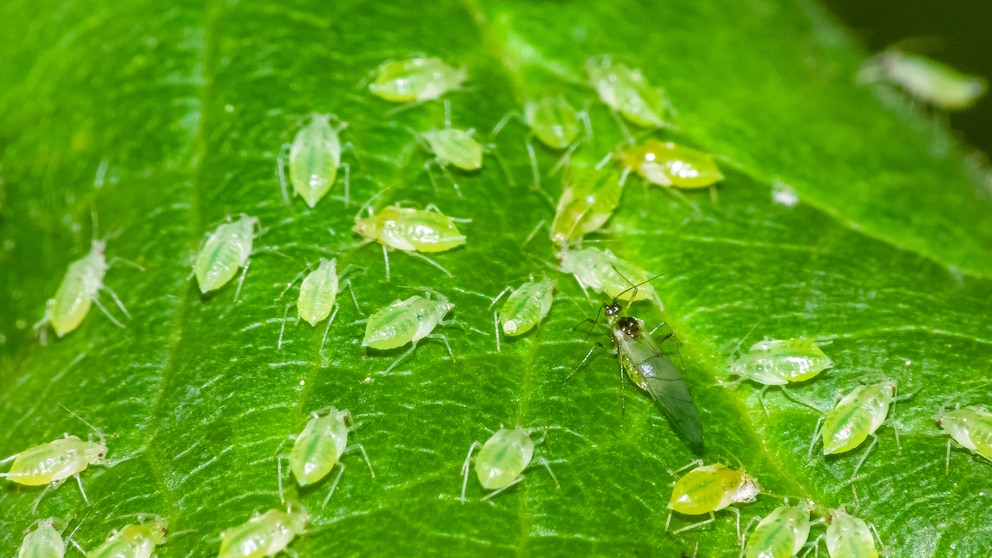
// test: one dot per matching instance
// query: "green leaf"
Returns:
(167, 119)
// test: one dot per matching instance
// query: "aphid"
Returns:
(222, 252)
(49, 464)
(44, 541)
(776, 362)
(551, 119)
(602, 271)
(319, 448)
(640, 358)
(925, 79)
(133, 541)
(627, 92)
(971, 427)
(264, 535)
(524, 308)
(858, 415)
(781, 534)
(502, 460)
(670, 164)
(314, 159)
(588, 200)
(407, 321)
(412, 231)
(417, 79)
(79, 290)
(318, 292)
(710, 488)
(849, 537)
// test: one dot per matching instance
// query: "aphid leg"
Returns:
(707, 522)
(347, 184)
(6, 459)
(360, 448)
(499, 296)
(800, 400)
(445, 339)
(279, 460)
(334, 484)
(504, 121)
(747, 528)
(602, 163)
(816, 436)
(679, 196)
(428, 260)
(106, 313)
(496, 327)
(502, 164)
(761, 399)
(328, 328)
(586, 123)
(543, 461)
(351, 291)
(501, 489)
(403, 356)
(282, 329)
(34, 507)
(41, 327)
(564, 159)
(878, 538)
(947, 460)
(295, 279)
(385, 256)
(533, 233)
(281, 170)
(583, 361)
(241, 281)
(465, 467)
(871, 446)
(691, 465)
(535, 172)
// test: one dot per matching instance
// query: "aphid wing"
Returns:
(656, 374)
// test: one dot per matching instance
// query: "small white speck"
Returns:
(303, 382)
(784, 194)
(907, 362)
(229, 108)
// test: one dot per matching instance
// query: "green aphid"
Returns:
(412, 231)
(417, 79)
(971, 427)
(502, 460)
(781, 534)
(44, 541)
(710, 488)
(778, 362)
(314, 160)
(670, 164)
(602, 271)
(525, 308)
(264, 535)
(133, 541)
(849, 537)
(926, 80)
(223, 252)
(587, 202)
(407, 321)
(627, 92)
(856, 417)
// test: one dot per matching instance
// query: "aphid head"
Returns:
(298, 517)
(96, 452)
(611, 308)
(748, 489)
(157, 529)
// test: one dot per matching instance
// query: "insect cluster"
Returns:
(592, 191)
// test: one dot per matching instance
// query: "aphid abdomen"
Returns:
(312, 457)
(71, 303)
(43, 542)
(781, 534)
(553, 121)
(428, 233)
(314, 159)
(47, 463)
(700, 491)
(849, 537)
(226, 250)
(455, 147)
(318, 292)
(503, 458)
(845, 428)
(526, 307)
(389, 329)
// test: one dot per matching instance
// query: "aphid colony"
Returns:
(591, 193)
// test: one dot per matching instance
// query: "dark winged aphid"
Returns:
(648, 367)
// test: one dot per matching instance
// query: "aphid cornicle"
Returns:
(969, 426)
(314, 159)
(49, 464)
(502, 460)
(849, 537)
(407, 321)
(133, 541)
(926, 80)
(781, 534)
(640, 358)
(709, 488)
(264, 535)
(856, 417)
(777, 362)
(412, 231)
(670, 164)
(225, 250)
(602, 271)
(416, 79)
(77, 292)
(44, 541)
(319, 448)
(627, 92)
(588, 200)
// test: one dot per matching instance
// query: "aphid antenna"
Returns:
(282, 328)
(98, 432)
(295, 279)
(565, 160)
(583, 361)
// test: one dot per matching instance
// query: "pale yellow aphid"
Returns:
(777, 362)
(319, 448)
(49, 464)
(502, 460)
(223, 251)
(314, 159)
(601, 270)
(525, 308)
(588, 200)
(926, 80)
(417, 79)
(412, 231)
(627, 92)
(850, 537)
(264, 535)
(78, 291)
(781, 534)
(407, 321)
(44, 541)
(133, 541)
(709, 488)
(969, 426)
(670, 164)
